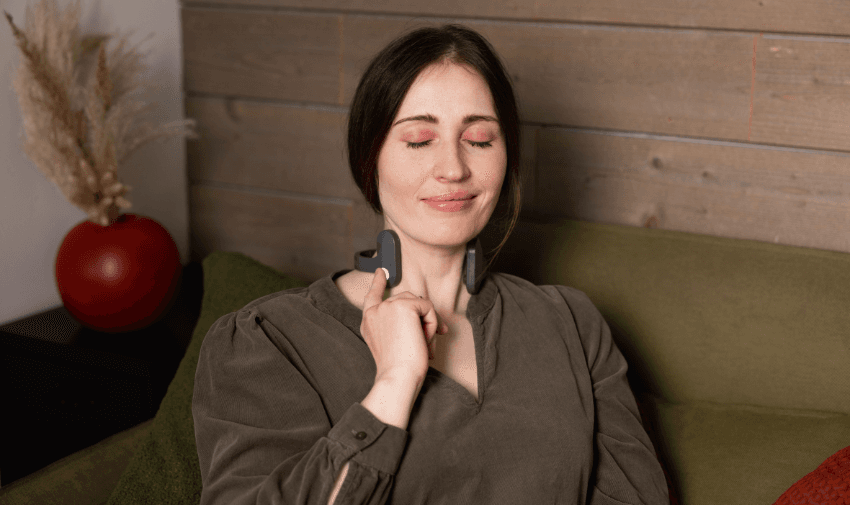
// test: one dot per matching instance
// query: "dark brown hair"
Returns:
(385, 84)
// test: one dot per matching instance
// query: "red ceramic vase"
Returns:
(120, 277)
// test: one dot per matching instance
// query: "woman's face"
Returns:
(445, 138)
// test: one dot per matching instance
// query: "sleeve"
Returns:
(626, 469)
(262, 433)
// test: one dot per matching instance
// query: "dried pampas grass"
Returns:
(80, 118)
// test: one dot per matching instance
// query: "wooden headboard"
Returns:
(724, 117)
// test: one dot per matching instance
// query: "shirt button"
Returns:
(360, 435)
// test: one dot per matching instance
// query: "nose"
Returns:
(450, 164)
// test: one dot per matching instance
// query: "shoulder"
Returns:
(574, 299)
(296, 296)
(565, 310)
(244, 322)
(570, 305)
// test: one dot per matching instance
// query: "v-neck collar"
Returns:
(329, 299)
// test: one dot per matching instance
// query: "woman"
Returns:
(427, 392)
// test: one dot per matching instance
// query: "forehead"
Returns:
(445, 89)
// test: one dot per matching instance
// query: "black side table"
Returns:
(65, 387)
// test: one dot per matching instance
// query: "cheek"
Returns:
(398, 174)
(494, 179)
(495, 170)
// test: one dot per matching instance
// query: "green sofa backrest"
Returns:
(703, 318)
(165, 469)
(698, 318)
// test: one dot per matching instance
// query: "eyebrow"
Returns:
(431, 119)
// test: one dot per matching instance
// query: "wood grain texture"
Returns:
(629, 69)
(365, 226)
(787, 16)
(273, 146)
(781, 196)
(292, 148)
(689, 83)
(304, 238)
(802, 92)
(261, 54)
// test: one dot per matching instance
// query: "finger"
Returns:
(375, 295)
(429, 341)
(430, 321)
(441, 329)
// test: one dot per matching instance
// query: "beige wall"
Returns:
(34, 214)
(719, 117)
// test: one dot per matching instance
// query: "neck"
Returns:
(434, 273)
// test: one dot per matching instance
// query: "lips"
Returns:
(457, 195)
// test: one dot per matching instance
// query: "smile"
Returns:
(450, 205)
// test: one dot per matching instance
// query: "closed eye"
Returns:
(417, 145)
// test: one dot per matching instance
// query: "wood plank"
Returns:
(772, 195)
(365, 226)
(269, 145)
(272, 146)
(689, 83)
(802, 92)
(303, 238)
(787, 16)
(261, 54)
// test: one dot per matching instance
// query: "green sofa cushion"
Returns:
(704, 318)
(85, 477)
(164, 469)
(738, 455)
(700, 319)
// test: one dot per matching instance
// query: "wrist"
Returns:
(400, 377)
(391, 398)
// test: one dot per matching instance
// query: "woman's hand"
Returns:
(398, 330)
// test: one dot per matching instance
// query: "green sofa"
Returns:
(739, 353)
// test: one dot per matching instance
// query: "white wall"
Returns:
(34, 215)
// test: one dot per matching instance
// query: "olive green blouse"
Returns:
(277, 413)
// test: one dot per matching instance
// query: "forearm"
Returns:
(390, 400)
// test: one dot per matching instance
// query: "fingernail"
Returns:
(386, 273)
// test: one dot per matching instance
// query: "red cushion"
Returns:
(828, 484)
